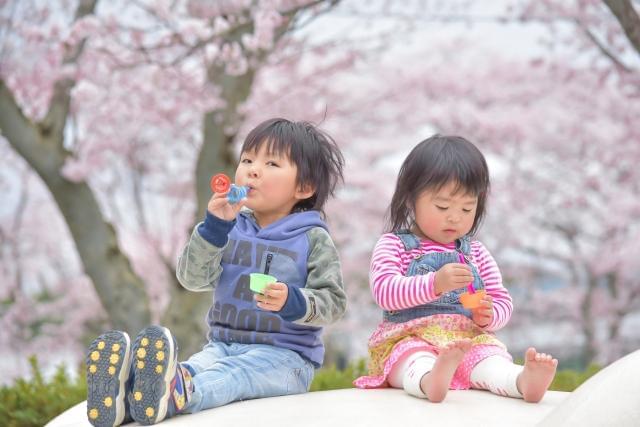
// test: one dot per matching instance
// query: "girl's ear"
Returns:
(305, 191)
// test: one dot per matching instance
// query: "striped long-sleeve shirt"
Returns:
(392, 290)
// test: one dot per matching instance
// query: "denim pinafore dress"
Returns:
(429, 326)
(449, 302)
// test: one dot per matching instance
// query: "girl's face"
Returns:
(272, 182)
(443, 216)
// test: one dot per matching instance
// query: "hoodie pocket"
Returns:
(281, 266)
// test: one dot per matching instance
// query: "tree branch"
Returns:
(54, 121)
(628, 18)
(605, 51)
(242, 27)
(21, 132)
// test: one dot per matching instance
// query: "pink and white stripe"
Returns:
(392, 290)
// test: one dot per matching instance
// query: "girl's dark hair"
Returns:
(432, 164)
(314, 152)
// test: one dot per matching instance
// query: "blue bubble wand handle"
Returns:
(237, 193)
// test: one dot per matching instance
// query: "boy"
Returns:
(259, 345)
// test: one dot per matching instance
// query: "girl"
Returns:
(427, 342)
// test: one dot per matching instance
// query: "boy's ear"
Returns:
(305, 191)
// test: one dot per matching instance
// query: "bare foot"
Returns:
(534, 380)
(435, 384)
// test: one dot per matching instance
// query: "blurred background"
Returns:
(115, 114)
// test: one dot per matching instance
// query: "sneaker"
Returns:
(161, 387)
(108, 362)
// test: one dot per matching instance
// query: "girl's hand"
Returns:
(220, 207)
(452, 276)
(483, 315)
(274, 297)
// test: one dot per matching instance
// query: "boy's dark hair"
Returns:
(432, 164)
(314, 152)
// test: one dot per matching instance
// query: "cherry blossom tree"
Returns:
(125, 109)
(95, 101)
(585, 215)
(560, 128)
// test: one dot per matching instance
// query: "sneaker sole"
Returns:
(107, 373)
(154, 365)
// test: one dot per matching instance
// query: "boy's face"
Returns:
(272, 182)
(445, 215)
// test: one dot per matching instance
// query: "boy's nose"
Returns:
(254, 171)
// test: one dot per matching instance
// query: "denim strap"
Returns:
(409, 240)
(463, 245)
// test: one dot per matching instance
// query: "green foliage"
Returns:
(34, 402)
(569, 379)
(330, 378)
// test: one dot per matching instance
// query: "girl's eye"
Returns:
(466, 210)
(247, 161)
(442, 208)
(272, 164)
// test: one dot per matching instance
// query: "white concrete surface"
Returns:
(353, 407)
(609, 398)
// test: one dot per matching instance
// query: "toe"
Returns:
(530, 354)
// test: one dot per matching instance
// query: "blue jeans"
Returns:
(224, 373)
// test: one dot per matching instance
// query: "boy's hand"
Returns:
(219, 206)
(483, 315)
(274, 297)
(452, 276)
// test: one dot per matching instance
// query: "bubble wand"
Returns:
(470, 288)
(220, 183)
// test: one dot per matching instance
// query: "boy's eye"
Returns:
(466, 210)
(442, 208)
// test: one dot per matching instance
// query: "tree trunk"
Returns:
(590, 350)
(186, 313)
(120, 290)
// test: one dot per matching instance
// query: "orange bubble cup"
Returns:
(471, 301)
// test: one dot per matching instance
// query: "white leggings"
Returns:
(495, 373)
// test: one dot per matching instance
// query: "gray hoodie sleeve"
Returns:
(324, 293)
(198, 266)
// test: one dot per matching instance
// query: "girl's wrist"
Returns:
(436, 287)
